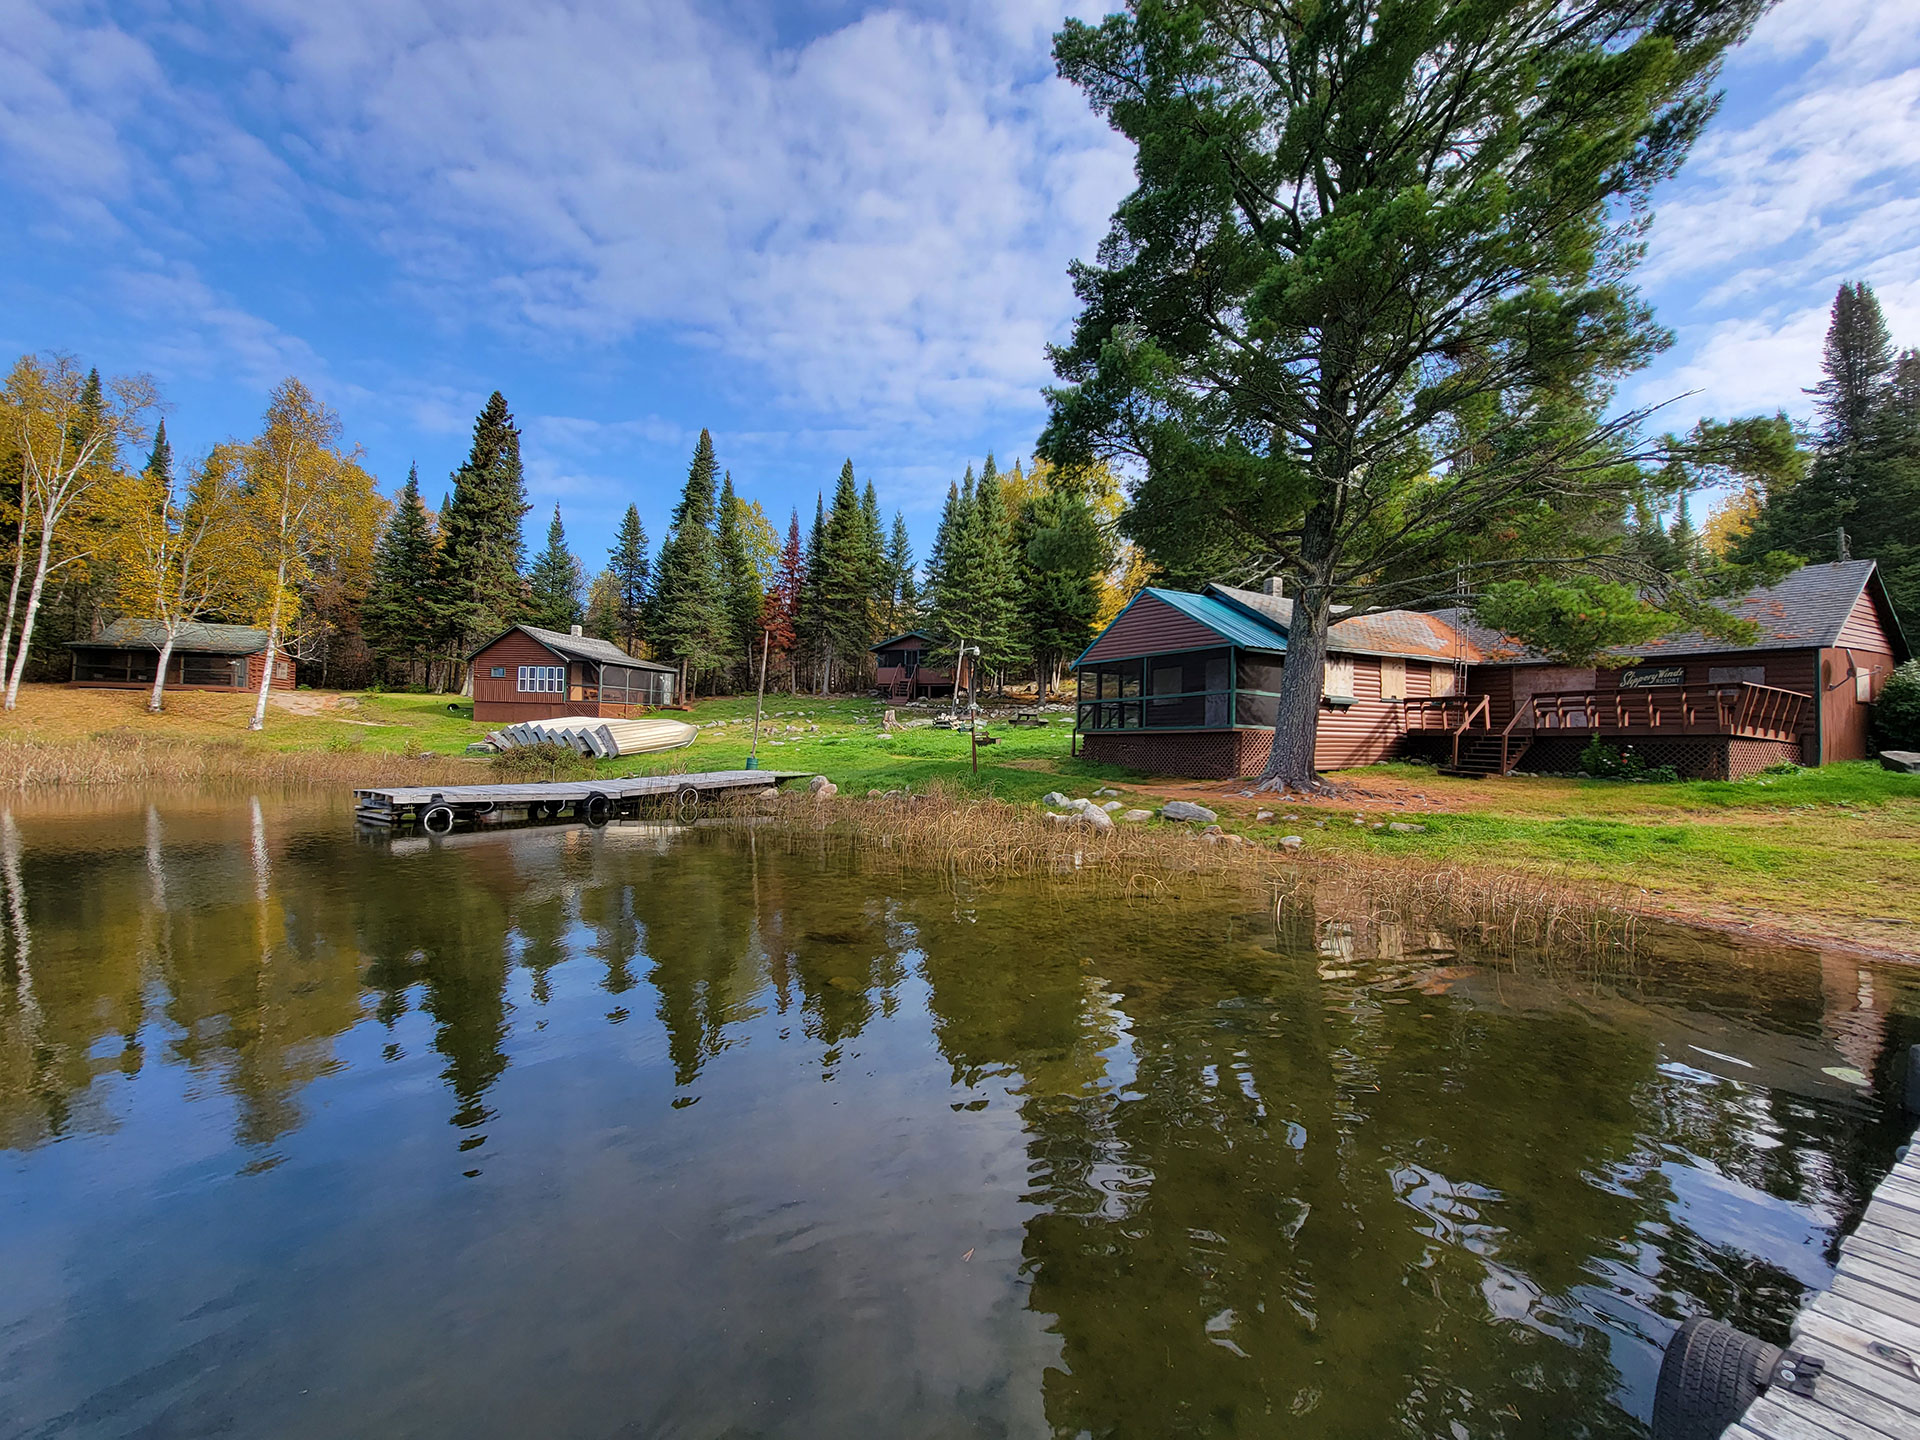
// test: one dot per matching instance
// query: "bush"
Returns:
(1603, 762)
(1896, 714)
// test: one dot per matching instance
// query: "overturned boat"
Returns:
(596, 738)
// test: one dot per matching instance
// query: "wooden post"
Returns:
(759, 700)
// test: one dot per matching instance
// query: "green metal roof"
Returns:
(1235, 627)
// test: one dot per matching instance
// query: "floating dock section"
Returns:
(437, 809)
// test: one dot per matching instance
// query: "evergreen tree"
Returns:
(996, 582)
(903, 596)
(784, 599)
(1066, 556)
(845, 580)
(739, 578)
(879, 581)
(160, 459)
(627, 569)
(479, 590)
(555, 582)
(393, 616)
(603, 608)
(813, 625)
(1860, 498)
(689, 612)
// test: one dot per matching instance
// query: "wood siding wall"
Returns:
(1371, 729)
(1863, 630)
(1845, 720)
(283, 671)
(502, 699)
(1152, 627)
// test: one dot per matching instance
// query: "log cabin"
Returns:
(1187, 684)
(205, 657)
(527, 673)
(902, 672)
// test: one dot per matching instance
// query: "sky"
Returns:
(822, 229)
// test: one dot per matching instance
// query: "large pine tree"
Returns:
(739, 578)
(1861, 495)
(479, 589)
(813, 623)
(393, 616)
(689, 613)
(160, 459)
(902, 593)
(627, 569)
(555, 582)
(845, 583)
(1065, 555)
(784, 599)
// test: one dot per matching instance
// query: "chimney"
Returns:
(1274, 586)
(574, 630)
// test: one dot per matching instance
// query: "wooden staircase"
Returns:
(1487, 752)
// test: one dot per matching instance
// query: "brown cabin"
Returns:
(1187, 684)
(901, 671)
(528, 673)
(205, 657)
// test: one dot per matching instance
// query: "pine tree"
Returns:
(784, 599)
(555, 582)
(627, 567)
(903, 595)
(996, 587)
(1860, 498)
(739, 579)
(874, 542)
(813, 625)
(393, 617)
(1066, 555)
(160, 459)
(603, 608)
(689, 614)
(845, 585)
(479, 590)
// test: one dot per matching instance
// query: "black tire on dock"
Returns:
(437, 820)
(1710, 1374)
(596, 809)
(686, 802)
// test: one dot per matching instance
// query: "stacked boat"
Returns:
(596, 738)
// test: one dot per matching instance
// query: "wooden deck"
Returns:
(592, 799)
(1865, 1329)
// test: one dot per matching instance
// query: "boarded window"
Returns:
(1443, 680)
(1737, 675)
(1337, 684)
(1393, 679)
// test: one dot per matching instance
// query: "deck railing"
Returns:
(1760, 712)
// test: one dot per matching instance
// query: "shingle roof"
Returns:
(1385, 632)
(892, 640)
(206, 639)
(579, 647)
(1804, 611)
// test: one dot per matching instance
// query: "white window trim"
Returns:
(541, 680)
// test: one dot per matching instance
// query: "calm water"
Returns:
(638, 1132)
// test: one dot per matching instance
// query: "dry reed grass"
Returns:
(1498, 912)
(126, 759)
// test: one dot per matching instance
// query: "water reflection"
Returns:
(744, 1142)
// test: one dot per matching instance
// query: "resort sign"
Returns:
(1641, 677)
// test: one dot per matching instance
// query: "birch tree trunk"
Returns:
(259, 720)
(13, 590)
(160, 671)
(33, 609)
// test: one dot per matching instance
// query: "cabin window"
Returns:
(1736, 675)
(1337, 683)
(542, 679)
(1188, 691)
(498, 672)
(281, 670)
(1258, 672)
(1393, 679)
(212, 670)
(1442, 681)
(1863, 685)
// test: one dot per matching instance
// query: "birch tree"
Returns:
(67, 429)
(177, 558)
(302, 492)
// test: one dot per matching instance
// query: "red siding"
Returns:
(1367, 731)
(1150, 626)
(1844, 727)
(283, 670)
(502, 700)
(1863, 630)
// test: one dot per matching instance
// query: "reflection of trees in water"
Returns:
(1322, 1206)
(697, 913)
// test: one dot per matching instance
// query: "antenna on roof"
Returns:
(1843, 547)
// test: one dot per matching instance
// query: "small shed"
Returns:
(902, 672)
(205, 657)
(527, 673)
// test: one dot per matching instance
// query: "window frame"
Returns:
(545, 680)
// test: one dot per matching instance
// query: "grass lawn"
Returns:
(1824, 854)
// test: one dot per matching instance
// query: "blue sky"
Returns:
(822, 229)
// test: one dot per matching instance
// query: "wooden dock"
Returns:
(437, 809)
(1864, 1329)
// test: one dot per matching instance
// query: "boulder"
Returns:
(1400, 827)
(873, 794)
(822, 787)
(1263, 817)
(1906, 762)
(1054, 798)
(1187, 810)
(1111, 806)
(1291, 842)
(1136, 816)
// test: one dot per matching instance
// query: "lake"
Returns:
(647, 1131)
